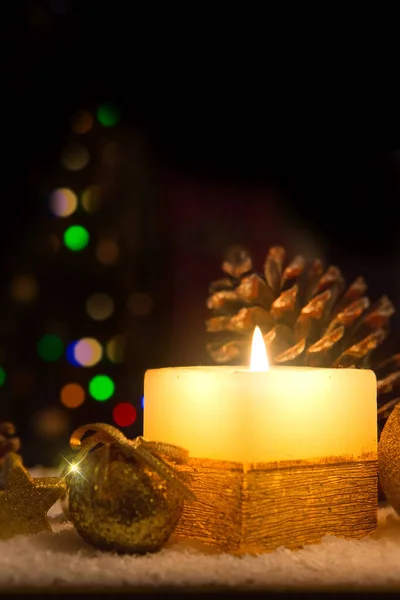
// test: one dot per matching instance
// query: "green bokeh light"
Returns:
(108, 115)
(101, 387)
(2, 376)
(76, 237)
(50, 347)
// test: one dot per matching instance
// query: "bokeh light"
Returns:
(50, 347)
(51, 423)
(72, 395)
(115, 349)
(63, 202)
(70, 353)
(139, 304)
(88, 352)
(24, 288)
(101, 387)
(76, 237)
(82, 121)
(108, 115)
(99, 306)
(91, 198)
(142, 403)
(107, 252)
(75, 156)
(2, 376)
(124, 414)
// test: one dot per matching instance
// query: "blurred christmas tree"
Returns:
(79, 313)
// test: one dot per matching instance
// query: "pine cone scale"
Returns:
(273, 268)
(253, 289)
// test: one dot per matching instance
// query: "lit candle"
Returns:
(262, 414)
(282, 455)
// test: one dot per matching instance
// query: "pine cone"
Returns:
(307, 316)
(8, 441)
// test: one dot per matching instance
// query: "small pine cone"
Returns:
(8, 440)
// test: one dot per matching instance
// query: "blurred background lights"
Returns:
(82, 121)
(75, 156)
(70, 353)
(72, 395)
(24, 288)
(76, 237)
(2, 376)
(107, 252)
(88, 352)
(142, 402)
(115, 349)
(99, 306)
(63, 202)
(108, 115)
(91, 198)
(124, 414)
(139, 304)
(51, 423)
(50, 347)
(101, 387)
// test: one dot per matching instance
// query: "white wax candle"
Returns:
(285, 413)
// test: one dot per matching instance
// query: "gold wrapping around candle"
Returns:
(259, 507)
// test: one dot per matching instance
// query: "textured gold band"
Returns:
(257, 508)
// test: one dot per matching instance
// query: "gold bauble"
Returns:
(389, 459)
(118, 503)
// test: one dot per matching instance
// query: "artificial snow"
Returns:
(63, 561)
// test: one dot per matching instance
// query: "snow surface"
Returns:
(62, 561)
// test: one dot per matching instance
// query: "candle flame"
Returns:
(259, 357)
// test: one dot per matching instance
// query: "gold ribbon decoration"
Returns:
(88, 437)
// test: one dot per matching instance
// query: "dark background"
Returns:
(241, 144)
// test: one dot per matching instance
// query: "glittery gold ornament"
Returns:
(389, 459)
(124, 495)
(25, 501)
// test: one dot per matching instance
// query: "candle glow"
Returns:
(253, 414)
(281, 455)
